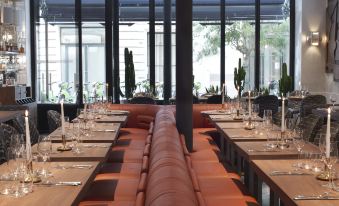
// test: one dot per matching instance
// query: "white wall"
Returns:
(311, 60)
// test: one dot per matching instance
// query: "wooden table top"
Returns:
(56, 195)
(8, 115)
(91, 152)
(236, 131)
(103, 133)
(112, 119)
(257, 150)
(288, 186)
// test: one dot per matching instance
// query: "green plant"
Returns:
(129, 74)
(212, 90)
(265, 91)
(239, 78)
(285, 83)
(196, 87)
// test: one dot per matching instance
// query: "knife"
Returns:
(276, 173)
(59, 184)
(104, 130)
(314, 197)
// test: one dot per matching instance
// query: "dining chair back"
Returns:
(19, 124)
(267, 102)
(54, 120)
(142, 100)
(310, 125)
(214, 99)
(311, 102)
(6, 133)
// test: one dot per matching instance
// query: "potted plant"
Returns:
(239, 78)
(129, 74)
(285, 83)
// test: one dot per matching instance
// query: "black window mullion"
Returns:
(109, 45)
(257, 45)
(152, 43)
(116, 79)
(222, 42)
(33, 16)
(167, 50)
(292, 41)
(78, 22)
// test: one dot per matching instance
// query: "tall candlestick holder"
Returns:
(30, 175)
(64, 146)
(250, 125)
(283, 142)
(326, 175)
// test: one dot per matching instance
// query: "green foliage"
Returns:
(285, 83)
(129, 74)
(239, 77)
(196, 87)
(265, 91)
(212, 90)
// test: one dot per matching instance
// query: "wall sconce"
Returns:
(314, 38)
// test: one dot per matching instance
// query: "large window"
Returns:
(59, 70)
(274, 42)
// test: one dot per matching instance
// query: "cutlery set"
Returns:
(279, 173)
(58, 184)
(79, 166)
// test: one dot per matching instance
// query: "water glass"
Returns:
(45, 149)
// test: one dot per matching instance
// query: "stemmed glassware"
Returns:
(333, 99)
(45, 149)
(299, 143)
(330, 161)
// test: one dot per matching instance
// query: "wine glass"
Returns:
(45, 149)
(20, 170)
(333, 99)
(330, 160)
(6, 189)
(299, 143)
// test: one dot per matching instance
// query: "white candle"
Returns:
(28, 139)
(62, 118)
(283, 114)
(249, 104)
(107, 92)
(328, 133)
(222, 94)
(85, 110)
(238, 97)
(299, 85)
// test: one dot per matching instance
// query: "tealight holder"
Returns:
(250, 125)
(64, 146)
(283, 143)
(326, 175)
(30, 175)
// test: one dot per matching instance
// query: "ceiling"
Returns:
(137, 10)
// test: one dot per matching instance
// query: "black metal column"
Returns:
(222, 42)
(78, 25)
(257, 45)
(292, 41)
(109, 45)
(33, 16)
(152, 44)
(167, 50)
(184, 70)
(116, 75)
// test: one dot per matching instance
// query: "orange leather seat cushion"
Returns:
(126, 156)
(212, 169)
(245, 201)
(107, 203)
(120, 170)
(130, 144)
(204, 155)
(111, 190)
(133, 133)
(221, 187)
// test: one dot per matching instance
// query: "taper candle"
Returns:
(28, 139)
(328, 133)
(249, 104)
(283, 113)
(62, 118)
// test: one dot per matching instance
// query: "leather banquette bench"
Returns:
(150, 165)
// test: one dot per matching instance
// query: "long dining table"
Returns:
(247, 152)
(67, 166)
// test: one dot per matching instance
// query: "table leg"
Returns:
(239, 164)
(274, 199)
(222, 147)
(246, 175)
(257, 188)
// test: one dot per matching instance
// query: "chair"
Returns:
(19, 124)
(311, 102)
(142, 100)
(6, 132)
(310, 126)
(195, 100)
(268, 102)
(334, 131)
(54, 120)
(214, 99)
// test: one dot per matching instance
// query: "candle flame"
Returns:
(26, 113)
(329, 110)
(61, 101)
